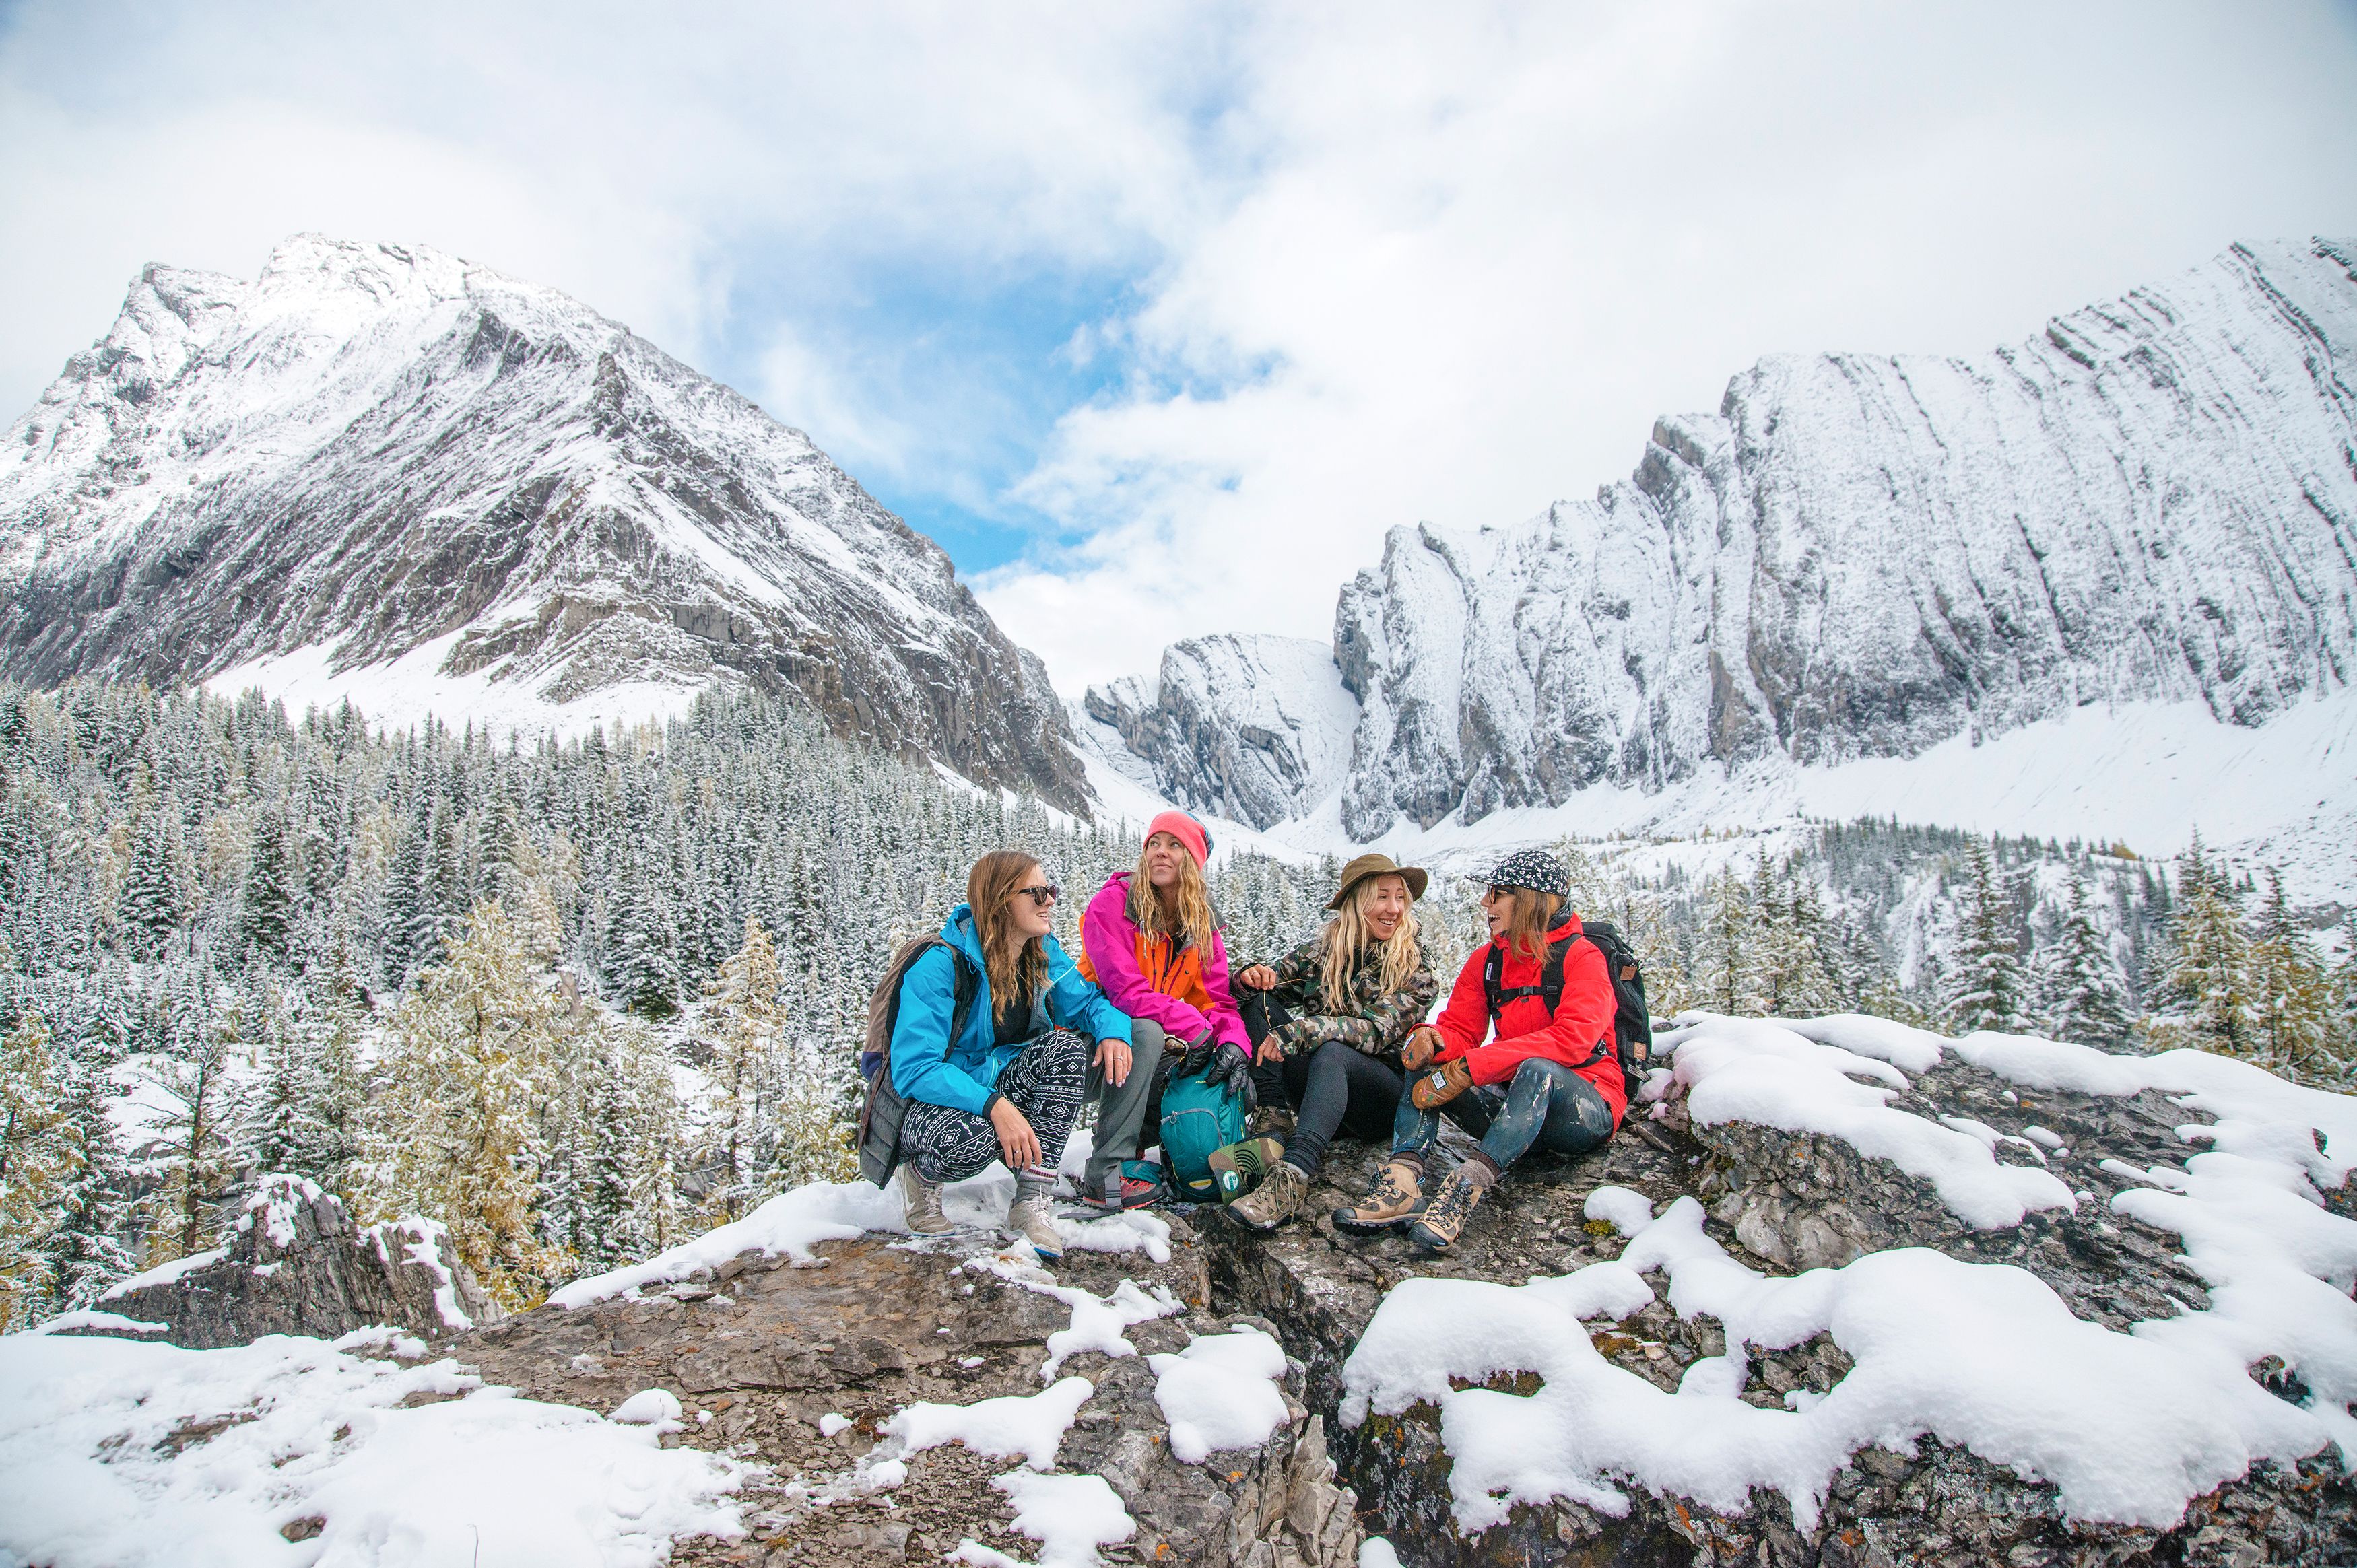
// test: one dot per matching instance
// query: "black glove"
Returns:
(1231, 1066)
(1194, 1057)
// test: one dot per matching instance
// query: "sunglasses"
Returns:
(1045, 894)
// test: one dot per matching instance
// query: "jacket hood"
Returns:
(959, 932)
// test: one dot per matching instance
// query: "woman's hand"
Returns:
(1018, 1144)
(1114, 1057)
(1423, 1042)
(1270, 1052)
(1260, 977)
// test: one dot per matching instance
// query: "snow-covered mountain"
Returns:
(389, 473)
(2145, 517)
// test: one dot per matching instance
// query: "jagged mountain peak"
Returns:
(385, 472)
(1860, 558)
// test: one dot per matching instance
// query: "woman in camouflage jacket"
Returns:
(1327, 1022)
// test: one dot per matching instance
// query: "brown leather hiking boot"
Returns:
(1395, 1199)
(1443, 1219)
(1277, 1198)
(1441, 1084)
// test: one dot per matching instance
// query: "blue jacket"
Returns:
(928, 1065)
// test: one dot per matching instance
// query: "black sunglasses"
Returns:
(1045, 893)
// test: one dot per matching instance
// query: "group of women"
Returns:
(1330, 1035)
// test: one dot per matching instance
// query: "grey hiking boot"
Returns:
(1277, 1198)
(920, 1204)
(1394, 1198)
(1031, 1218)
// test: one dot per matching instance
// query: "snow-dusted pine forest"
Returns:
(577, 1001)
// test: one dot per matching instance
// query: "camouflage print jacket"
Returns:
(1377, 1024)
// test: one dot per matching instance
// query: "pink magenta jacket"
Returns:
(1109, 939)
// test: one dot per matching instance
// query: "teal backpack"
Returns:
(1198, 1116)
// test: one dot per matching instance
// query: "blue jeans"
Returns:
(1546, 1106)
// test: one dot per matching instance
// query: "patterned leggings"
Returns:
(1046, 1082)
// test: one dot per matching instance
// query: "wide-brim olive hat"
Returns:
(1368, 866)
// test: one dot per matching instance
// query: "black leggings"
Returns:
(1333, 1088)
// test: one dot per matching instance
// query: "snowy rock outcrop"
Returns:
(903, 1392)
(389, 474)
(1843, 1292)
(1243, 728)
(295, 1263)
(1859, 556)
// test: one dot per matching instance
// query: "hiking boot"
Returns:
(1395, 1199)
(920, 1204)
(1031, 1219)
(1443, 1219)
(1122, 1190)
(1271, 1122)
(1237, 1169)
(1277, 1198)
(1440, 1085)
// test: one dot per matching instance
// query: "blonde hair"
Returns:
(1529, 921)
(1195, 920)
(1015, 964)
(1347, 933)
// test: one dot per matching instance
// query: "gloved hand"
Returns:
(1231, 1066)
(1423, 1044)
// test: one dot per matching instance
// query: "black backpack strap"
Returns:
(1550, 986)
(1551, 978)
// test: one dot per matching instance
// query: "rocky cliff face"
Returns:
(1861, 556)
(1243, 727)
(390, 473)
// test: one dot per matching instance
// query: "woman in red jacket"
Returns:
(1549, 1081)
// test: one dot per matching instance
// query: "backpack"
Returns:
(881, 1111)
(1198, 1116)
(1632, 1021)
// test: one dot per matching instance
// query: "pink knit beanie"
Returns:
(1186, 830)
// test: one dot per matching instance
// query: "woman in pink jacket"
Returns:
(1150, 941)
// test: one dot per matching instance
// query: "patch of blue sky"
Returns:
(935, 387)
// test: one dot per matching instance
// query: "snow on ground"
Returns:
(117, 1453)
(794, 1222)
(2128, 1427)
(1069, 1516)
(2146, 774)
(1218, 1393)
(400, 694)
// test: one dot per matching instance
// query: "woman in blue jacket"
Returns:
(1009, 1085)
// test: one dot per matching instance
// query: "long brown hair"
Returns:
(1346, 934)
(1194, 919)
(1016, 964)
(1529, 921)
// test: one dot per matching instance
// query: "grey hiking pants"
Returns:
(1121, 1108)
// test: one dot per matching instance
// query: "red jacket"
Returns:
(1582, 1019)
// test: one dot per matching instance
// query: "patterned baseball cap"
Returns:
(1534, 869)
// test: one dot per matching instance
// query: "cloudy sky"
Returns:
(1158, 316)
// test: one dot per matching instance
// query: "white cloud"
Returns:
(1391, 262)
(1482, 249)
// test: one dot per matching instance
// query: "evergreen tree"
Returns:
(2085, 995)
(272, 889)
(193, 1151)
(2206, 964)
(155, 891)
(456, 1134)
(746, 1006)
(2292, 1002)
(1985, 988)
(94, 1243)
(36, 1160)
(1728, 967)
